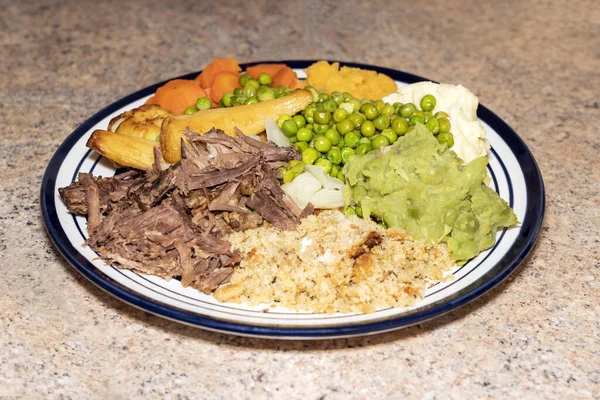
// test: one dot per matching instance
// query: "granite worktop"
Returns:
(535, 63)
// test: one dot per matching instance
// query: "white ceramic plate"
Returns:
(515, 176)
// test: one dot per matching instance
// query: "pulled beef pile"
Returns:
(170, 222)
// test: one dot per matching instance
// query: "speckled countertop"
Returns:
(534, 63)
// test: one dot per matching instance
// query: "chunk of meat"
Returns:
(170, 222)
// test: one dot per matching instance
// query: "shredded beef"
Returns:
(170, 223)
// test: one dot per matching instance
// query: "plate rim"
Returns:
(530, 228)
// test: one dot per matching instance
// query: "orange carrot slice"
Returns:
(270, 69)
(177, 95)
(286, 77)
(224, 82)
(207, 76)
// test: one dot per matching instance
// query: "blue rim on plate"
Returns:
(530, 227)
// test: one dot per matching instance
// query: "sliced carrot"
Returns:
(207, 76)
(177, 95)
(151, 100)
(286, 77)
(224, 82)
(270, 69)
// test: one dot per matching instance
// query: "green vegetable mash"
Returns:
(421, 186)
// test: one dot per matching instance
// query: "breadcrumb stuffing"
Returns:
(316, 267)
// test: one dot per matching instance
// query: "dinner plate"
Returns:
(515, 176)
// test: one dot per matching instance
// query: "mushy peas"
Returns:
(421, 186)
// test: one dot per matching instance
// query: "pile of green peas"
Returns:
(335, 127)
(253, 91)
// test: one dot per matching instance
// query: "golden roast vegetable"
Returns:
(127, 151)
(250, 119)
(143, 122)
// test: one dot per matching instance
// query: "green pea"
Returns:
(334, 155)
(322, 117)
(341, 142)
(203, 103)
(265, 93)
(399, 126)
(264, 79)
(244, 78)
(380, 104)
(301, 145)
(289, 127)
(419, 113)
(226, 99)
(337, 97)
(355, 103)
(323, 144)
(319, 106)
(323, 97)
(254, 83)
(358, 210)
(382, 122)
(190, 110)
(397, 106)
(380, 141)
(313, 91)
(251, 100)
(288, 176)
(368, 129)
(345, 126)
(416, 119)
(351, 139)
(363, 149)
(237, 91)
(309, 113)
(304, 135)
(296, 166)
(364, 140)
(390, 134)
(406, 110)
(320, 129)
(370, 111)
(357, 119)
(347, 96)
(335, 169)
(329, 105)
(299, 120)
(249, 90)
(333, 135)
(325, 163)
(309, 156)
(410, 129)
(347, 152)
(433, 126)
(341, 176)
(309, 127)
(349, 211)
(388, 110)
(446, 138)
(339, 115)
(237, 100)
(444, 125)
(441, 114)
(282, 118)
(428, 102)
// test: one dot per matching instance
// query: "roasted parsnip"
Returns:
(250, 119)
(127, 151)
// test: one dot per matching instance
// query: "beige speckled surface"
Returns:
(534, 63)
